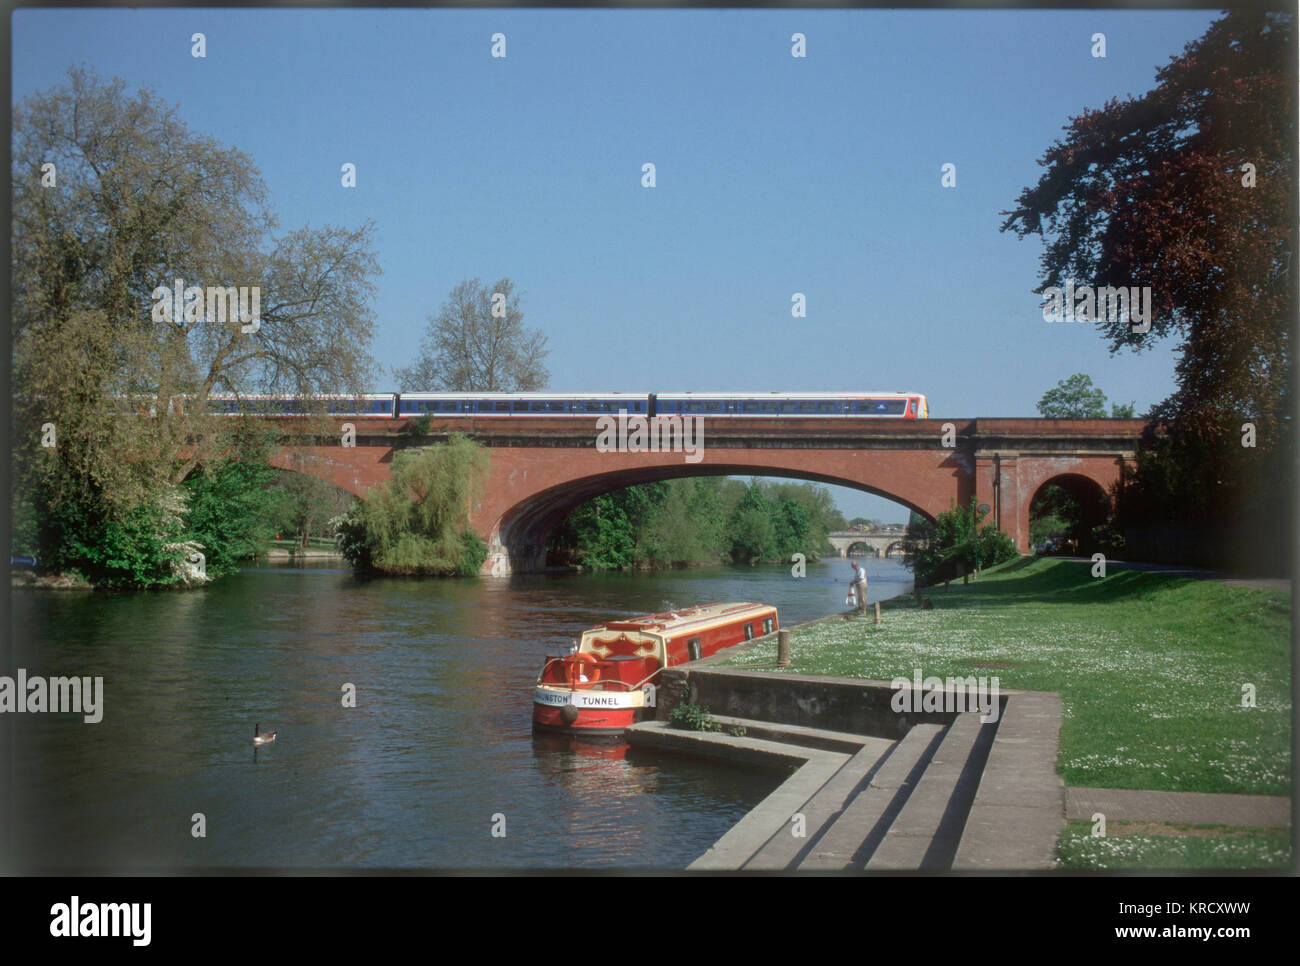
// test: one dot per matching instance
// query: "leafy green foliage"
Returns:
(1078, 398)
(143, 200)
(301, 506)
(953, 544)
(698, 520)
(691, 717)
(418, 522)
(1073, 398)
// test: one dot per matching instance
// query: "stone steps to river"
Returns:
(943, 796)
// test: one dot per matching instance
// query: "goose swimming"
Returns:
(261, 739)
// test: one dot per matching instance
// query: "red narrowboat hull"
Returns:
(608, 682)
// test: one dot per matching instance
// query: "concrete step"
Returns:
(841, 741)
(813, 769)
(785, 849)
(860, 826)
(925, 833)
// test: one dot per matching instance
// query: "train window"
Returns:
(771, 407)
(827, 406)
(638, 407)
(913, 407)
(712, 406)
(749, 406)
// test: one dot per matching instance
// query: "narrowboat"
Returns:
(607, 682)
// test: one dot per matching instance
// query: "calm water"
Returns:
(438, 747)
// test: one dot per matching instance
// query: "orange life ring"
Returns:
(580, 664)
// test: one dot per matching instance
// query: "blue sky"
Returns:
(775, 175)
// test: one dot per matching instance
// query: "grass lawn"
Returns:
(1145, 845)
(1150, 667)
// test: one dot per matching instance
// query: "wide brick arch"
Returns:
(531, 490)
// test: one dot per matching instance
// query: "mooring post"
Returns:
(878, 620)
(783, 648)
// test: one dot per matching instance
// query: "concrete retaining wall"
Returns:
(836, 704)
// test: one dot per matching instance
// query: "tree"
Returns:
(957, 542)
(135, 201)
(1189, 189)
(1073, 398)
(418, 521)
(1078, 398)
(300, 505)
(477, 343)
(751, 527)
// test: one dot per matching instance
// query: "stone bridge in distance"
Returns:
(883, 543)
(542, 467)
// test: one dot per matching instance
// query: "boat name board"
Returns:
(583, 699)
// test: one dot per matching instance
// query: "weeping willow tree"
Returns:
(418, 522)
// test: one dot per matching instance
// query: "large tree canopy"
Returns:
(116, 200)
(114, 197)
(1190, 190)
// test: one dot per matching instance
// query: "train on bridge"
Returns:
(892, 405)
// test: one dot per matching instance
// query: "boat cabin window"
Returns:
(767, 625)
(693, 649)
(749, 632)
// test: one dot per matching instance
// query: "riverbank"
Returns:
(30, 580)
(1151, 667)
(300, 553)
(1175, 685)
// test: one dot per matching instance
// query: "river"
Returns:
(436, 756)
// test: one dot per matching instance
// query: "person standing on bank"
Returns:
(860, 586)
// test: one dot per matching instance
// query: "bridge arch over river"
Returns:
(540, 468)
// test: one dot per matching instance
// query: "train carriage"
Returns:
(782, 405)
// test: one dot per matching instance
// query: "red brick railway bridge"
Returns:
(540, 467)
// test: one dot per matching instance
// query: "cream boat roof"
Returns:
(672, 624)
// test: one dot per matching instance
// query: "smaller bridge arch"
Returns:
(881, 543)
